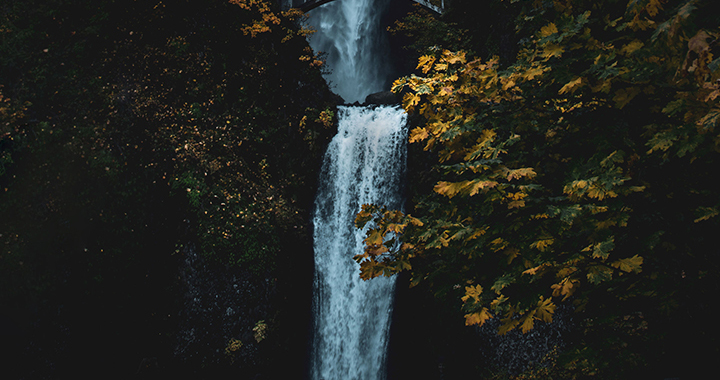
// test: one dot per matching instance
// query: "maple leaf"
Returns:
(548, 30)
(545, 309)
(566, 288)
(418, 134)
(519, 173)
(477, 318)
(473, 292)
(477, 185)
(503, 282)
(527, 322)
(449, 189)
(599, 273)
(630, 264)
(709, 121)
(602, 250)
(705, 213)
(508, 324)
(552, 50)
(571, 86)
(542, 244)
(631, 47)
(374, 237)
(454, 57)
(425, 63)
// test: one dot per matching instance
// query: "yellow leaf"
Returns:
(453, 57)
(374, 237)
(566, 288)
(534, 72)
(545, 309)
(630, 264)
(653, 7)
(410, 100)
(473, 292)
(449, 189)
(507, 324)
(418, 134)
(498, 301)
(542, 244)
(519, 173)
(508, 84)
(528, 320)
(548, 30)
(631, 47)
(534, 271)
(477, 318)
(425, 63)
(552, 50)
(571, 86)
(477, 185)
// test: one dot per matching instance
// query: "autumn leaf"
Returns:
(545, 309)
(630, 264)
(472, 292)
(599, 273)
(565, 288)
(552, 50)
(542, 245)
(631, 47)
(571, 86)
(449, 189)
(519, 173)
(374, 237)
(418, 134)
(527, 321)
(548, 30)
(425, 63)
(508, 323)
(477, 318)
(478, 185)
(705, 213)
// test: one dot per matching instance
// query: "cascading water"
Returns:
(349, 32)
(364, 163)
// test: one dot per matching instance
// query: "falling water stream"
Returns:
(364, 163)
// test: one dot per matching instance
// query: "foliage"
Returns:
(136, 127)
(424, 30)
(577, 173)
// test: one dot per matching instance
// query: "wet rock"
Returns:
(383, 98)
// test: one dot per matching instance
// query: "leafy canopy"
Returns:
(551, 173)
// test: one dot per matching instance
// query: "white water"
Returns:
(349, 32)
(364, 163)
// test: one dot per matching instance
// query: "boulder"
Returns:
(384, 97)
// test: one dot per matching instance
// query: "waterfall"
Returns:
(349, 32)
(364, 163)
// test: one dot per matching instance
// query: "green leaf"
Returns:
(599, 273)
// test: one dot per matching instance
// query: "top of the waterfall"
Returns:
(308, 5)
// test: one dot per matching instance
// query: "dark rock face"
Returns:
(220, 306)
(235, 322)
(384, 98)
